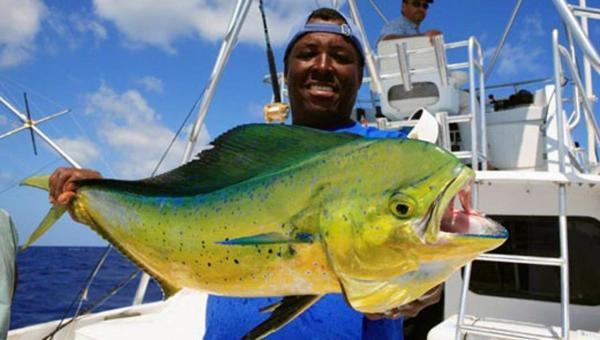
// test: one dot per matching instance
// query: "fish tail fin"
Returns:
(40, 182)
(53, 215)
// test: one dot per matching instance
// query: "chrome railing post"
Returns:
(582, 40)
(562, 191)
(473, 105)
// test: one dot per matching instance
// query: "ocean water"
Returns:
(51, 277)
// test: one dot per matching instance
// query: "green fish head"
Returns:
(397, 223)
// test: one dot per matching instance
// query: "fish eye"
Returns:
(402, 206)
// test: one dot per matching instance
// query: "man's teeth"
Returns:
(321, 88)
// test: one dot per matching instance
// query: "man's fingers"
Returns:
(64, 198)
(433, 295)
(56, 183)
(411, 309)
(374, 316)
(62, 185)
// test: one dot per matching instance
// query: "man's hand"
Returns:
(61, 184)
(432, 33)
(410, 309)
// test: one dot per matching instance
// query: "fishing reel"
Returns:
(276, 112)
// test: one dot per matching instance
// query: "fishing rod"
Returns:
(277, 110)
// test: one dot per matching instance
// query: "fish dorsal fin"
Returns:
(242, 153)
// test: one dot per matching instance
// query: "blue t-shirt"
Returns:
(399, 26)
(330, 318)
(369, 131)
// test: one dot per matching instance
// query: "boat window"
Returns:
(538, 236)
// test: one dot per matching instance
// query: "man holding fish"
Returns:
(323, 69)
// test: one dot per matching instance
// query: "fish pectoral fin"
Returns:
(283, 312)
(53, 215)
(268, 238)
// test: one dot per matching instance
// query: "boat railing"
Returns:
(563, 126)
(577, 32)
(574, 119)
(567, 13)
(476, 89)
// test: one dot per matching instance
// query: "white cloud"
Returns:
(73, 29)
(533, 27)
(21, 21)
(516, 58)
(81, 150)
(151, 84)
(523, 54)
(85, 25)
(134, 132)
(160, 23)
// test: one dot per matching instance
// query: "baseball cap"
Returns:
(348, 30)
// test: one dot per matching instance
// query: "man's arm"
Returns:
(431, 33)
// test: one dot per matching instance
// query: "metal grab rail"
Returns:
(563, 260)
(586, 102)
(584, 43)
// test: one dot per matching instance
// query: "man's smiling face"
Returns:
(323, 76)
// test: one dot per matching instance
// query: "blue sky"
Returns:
(131, 70)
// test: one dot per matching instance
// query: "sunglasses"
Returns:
(417, 3)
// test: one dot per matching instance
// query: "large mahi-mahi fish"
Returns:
(275, 210)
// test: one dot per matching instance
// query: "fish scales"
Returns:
(250, 208)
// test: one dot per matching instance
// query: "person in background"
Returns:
(413, 13)
(8, 269)
(323, 67)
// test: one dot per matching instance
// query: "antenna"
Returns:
(30, 123)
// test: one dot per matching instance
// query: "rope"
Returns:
(81, 294)
(187, 117)
(95, 305)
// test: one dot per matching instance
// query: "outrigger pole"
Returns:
(231, 37)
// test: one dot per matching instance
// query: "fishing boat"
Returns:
(531, 176)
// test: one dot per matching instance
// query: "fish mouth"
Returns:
(452, 213)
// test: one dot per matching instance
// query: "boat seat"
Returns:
(433, 87)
